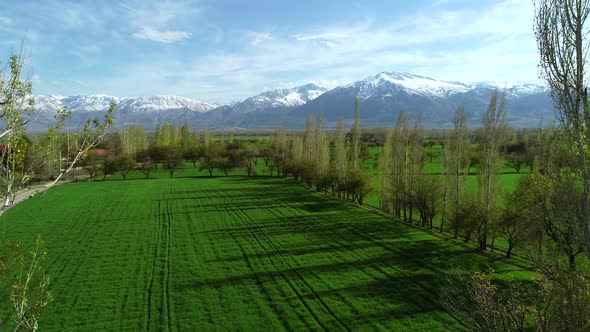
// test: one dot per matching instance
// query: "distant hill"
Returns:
(382, 97)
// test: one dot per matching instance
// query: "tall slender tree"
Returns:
(386, 176)
(400, 163)
(456, 159)
(340, 154)
(355, 134)
(561, 31)
(491, 136)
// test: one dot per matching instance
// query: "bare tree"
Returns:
(561, 32)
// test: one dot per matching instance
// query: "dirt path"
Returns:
(29, 192)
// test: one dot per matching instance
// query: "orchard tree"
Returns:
(172, 159)
(209, 153)
(93, 164)
(145, 162)
(125, 164)
(192, 153)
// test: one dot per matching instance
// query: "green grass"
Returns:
(507, 177)
(228, 253)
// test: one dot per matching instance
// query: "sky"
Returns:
(221, 51)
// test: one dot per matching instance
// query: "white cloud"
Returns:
(161, 36)
(158, 13)
(259, 37)
(326, 36)
(493, 42)
(5, 21)
(330, 44)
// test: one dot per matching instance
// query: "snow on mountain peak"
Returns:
(163, 103)
(390, 83)
(280, 98)
(90, 103)
(387, 83)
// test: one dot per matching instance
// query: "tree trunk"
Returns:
(442, 216)
(572, 262)
(493, 240)
(509, 251)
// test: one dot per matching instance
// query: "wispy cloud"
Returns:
(5, 21)
(217, 54)
(326, 36)
(259, 37)
(153, 20)
(161, 36)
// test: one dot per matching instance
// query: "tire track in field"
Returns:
(246, 224)
(279, 271)
(294, 271)
(296, 212)
(387, 247)
(261, 288)
(153, 272)
(166, 282)
(335, 253)
(225, 210)
(219, 223)
(349, 248)
(81, 235)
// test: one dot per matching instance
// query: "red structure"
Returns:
(95, 152)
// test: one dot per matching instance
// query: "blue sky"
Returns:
(221, 51)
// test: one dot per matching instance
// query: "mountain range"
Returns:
(382, 97)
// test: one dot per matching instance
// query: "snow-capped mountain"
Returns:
(48, 103)
(388, 84)
(384, 95)
(278, 99)
(100, 103)
(163, 103)
(143, 111)
(88, 103)
(267, 107)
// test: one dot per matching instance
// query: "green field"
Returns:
(233, 252)
(507, 176)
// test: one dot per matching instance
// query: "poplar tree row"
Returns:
(329, 163)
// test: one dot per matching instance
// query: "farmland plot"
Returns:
(233, 252)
